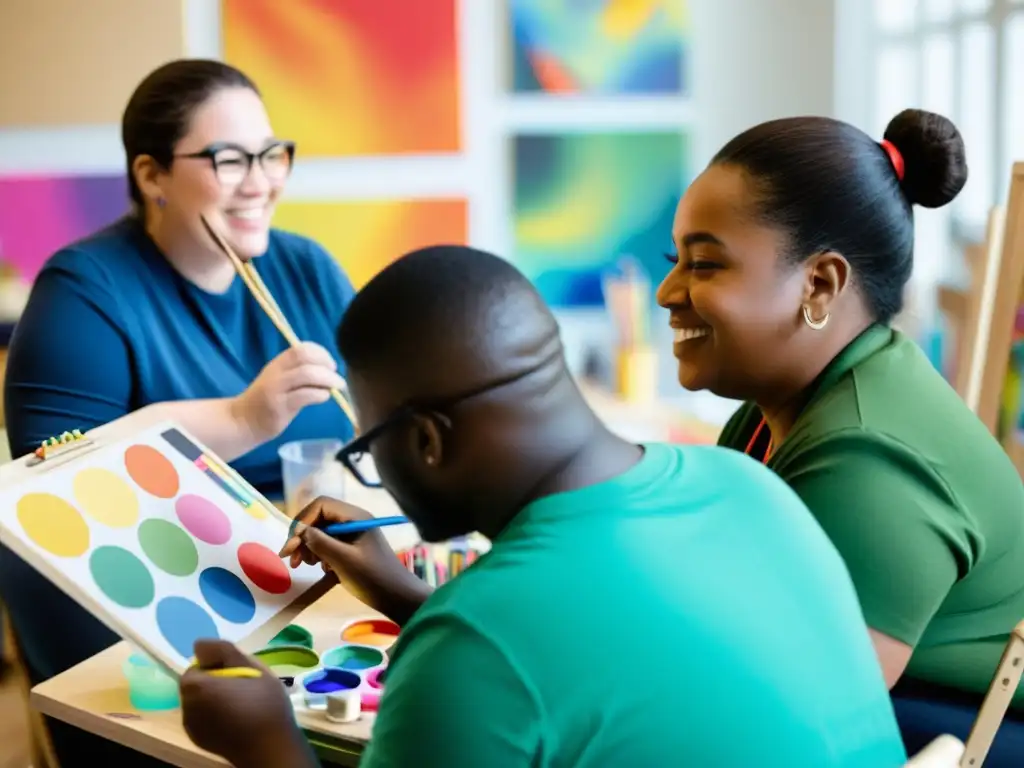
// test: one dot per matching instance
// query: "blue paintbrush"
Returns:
(354, 526)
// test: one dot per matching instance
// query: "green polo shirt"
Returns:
(689, 611)
(918, 497)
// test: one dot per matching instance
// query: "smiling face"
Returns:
(238, 204)
(734, 301)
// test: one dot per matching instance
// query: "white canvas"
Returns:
(161, 563)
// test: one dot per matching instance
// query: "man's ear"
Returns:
(429, 438)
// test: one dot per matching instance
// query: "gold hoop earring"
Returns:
(816, 325)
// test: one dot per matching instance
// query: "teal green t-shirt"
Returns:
(688, 612)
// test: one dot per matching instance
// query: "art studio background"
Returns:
(557, 133)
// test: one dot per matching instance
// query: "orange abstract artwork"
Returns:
(367, 236)
(359, 77)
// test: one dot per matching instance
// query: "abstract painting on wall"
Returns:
(366, 236)
(41, 214)
(583, 201)
(600, 46)
(359, 77)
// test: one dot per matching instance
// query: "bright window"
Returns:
(977, 121)
(1013, 94)
(939, 10)
(896, 81)
(957, 44)
(963, 59)
(895, 15)
(938, 70)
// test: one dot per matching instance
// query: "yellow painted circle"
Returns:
(106, 498)
(53, 524)
(257, 510)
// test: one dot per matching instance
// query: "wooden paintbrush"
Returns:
(247, 271)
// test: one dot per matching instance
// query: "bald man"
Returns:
(640, 606)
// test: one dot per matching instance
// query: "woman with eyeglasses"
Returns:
(149, 314)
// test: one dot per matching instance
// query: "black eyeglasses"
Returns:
(232, 164)
(352, 454)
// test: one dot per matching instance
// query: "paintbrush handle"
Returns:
(263, 296)
(358, 526)
(234, 672)
(251, 277)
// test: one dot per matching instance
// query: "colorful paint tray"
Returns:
(373, 689)
(289, 661)
(293, 635)
(355, 658)
(317, 686)
(380, 633)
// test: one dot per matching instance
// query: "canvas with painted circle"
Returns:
(157, 538)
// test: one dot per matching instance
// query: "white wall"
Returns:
(752, 60)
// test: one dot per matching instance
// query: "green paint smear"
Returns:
(293, 634)
(122, 577)
(169, 547)
(282, 657)
(353, 658)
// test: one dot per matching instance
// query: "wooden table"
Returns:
(94, 697)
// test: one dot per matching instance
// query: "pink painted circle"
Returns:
(203, 519)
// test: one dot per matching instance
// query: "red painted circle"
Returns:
(264, 568)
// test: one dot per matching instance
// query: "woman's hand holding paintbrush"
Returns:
(363, 561)
(298, 377)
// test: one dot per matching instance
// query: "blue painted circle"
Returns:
(182, 622)
(227, 595)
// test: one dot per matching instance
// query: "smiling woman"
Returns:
(793, 251)
(149, 315)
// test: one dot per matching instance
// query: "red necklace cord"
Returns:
(753, 441)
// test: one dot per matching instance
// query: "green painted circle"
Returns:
(122, 577)
(169, 547)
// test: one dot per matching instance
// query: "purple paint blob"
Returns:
(203, 519)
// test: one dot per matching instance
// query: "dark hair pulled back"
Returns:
(160, 110)
(830, 186)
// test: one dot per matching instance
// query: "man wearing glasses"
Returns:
(640, 605)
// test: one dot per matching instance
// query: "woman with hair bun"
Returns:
(792, 251)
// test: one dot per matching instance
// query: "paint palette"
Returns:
(379, 633)
(289, 662)
(346, 667)
(157, 538)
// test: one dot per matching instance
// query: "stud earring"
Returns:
(816, 325)
(160, 202)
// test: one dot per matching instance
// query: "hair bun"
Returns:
(935, 165)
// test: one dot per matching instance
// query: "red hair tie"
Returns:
(895, 156)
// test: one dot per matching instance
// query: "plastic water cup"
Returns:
(150, 688)
(309, 470)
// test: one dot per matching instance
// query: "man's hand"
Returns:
(364, 564)
(247, 721)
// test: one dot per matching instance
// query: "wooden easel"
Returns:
(997, 701)
(962, 306)
(1001, 297)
